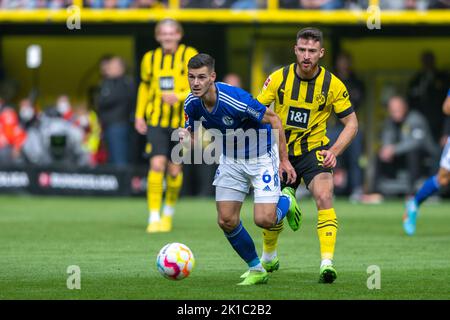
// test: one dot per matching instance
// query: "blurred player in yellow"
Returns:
(304, 95)
(159, 111)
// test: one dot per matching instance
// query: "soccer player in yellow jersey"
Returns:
(304, 95)
(159, 111)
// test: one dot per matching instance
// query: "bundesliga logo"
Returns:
(266, 83)
(320, 98)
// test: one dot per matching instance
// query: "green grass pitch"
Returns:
(41, 236)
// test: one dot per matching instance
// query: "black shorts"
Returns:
(159, 141)
(307, 166)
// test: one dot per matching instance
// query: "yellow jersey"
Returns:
(304, 105)
(162, 73)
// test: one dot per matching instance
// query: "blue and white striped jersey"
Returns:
(238, 118)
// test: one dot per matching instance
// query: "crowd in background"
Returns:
(283, 4)
(56, 135)
(72, 135)
(229, 4)
(102, 133)
(35, 4)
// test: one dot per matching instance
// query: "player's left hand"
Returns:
(170, 98)
(286, 166)
(184, 134)
(329, 159)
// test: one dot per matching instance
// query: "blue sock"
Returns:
(243, 244)
(282, 207)
(428, 188)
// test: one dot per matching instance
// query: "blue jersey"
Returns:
(238, 118)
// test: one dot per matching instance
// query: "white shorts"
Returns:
(234, 177)
(445, 157)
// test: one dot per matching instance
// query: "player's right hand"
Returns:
(140, 126)
(184, 134)
(170, 98)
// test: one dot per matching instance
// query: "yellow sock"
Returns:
(270, 241)
(327, 229)
(173, 190)
(154, 190)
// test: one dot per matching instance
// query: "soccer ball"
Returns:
(175, 261)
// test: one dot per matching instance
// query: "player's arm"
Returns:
(143, 95)
(275, 122)
(142, 99)
(349, 132)
(285, 166)
(344, 111)
(186, 134)
(268, 91)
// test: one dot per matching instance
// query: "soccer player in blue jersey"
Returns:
(432, 184)
(259, 164)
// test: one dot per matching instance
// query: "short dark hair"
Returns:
(310, 33)
(201, 60)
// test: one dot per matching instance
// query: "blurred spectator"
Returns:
(153, 4)
(414, 4)
(27, 114)
(220, 4)
(350, 159)
(411, 4)
(234, 4)
(248, 4)
(110, 4)
(55, 141)
(406, 144)
(312, 4)
(123, 4)
(193, 4)
(58, 4)
(439, 4)
(12, 137)
(233, 79)
(94, 4)
(87, 121)
(22, 4)
(427, 91)
(35, 4)
(2, 103)
(356, 4)
(103, 69)
(115, 108)
(64, 108)
(397, 4)
(223, 4)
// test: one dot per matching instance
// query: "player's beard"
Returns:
(309, 70)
